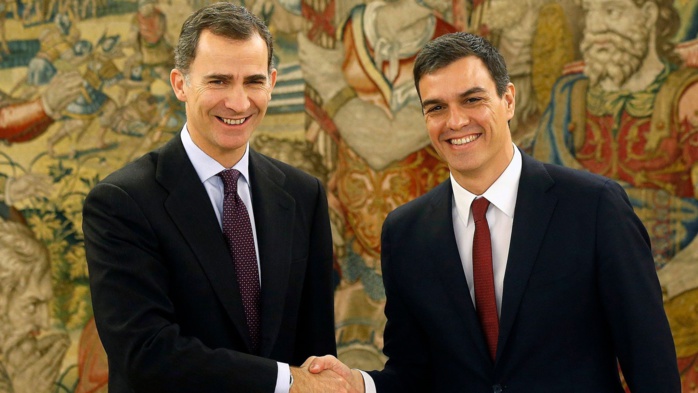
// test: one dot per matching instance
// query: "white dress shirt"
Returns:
(207, 168)
(500, 219)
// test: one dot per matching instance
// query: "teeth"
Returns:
(233, 122)
(463, 141)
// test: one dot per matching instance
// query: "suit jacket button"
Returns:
(497, 388)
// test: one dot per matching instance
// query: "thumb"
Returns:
(308, 361)
(329, 362)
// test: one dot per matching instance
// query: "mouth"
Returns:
(465, 140)
(232, 122)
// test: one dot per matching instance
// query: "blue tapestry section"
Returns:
(20, 53)
(288, 95)
(86, 11)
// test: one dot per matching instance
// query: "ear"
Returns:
(509, 99)
(651, 9)
(178, 80)
(272, 80)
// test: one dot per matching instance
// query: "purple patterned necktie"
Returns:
(238, 234)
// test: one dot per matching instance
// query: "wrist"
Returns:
(358, 380)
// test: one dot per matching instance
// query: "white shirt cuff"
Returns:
(369, 385)
(283, 378)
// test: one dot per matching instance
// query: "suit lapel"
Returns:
(534, 208)
(444, 251)
(190, 209)
(274, 219)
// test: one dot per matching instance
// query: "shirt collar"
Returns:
(205, 166)
(502, 193)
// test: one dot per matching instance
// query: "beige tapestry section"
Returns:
(84, 89)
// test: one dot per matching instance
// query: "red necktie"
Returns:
(483, 276)
(238, 234)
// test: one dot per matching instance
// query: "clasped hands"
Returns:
(326, 374)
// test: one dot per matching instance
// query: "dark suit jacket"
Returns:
(580, 290)
(165, 297)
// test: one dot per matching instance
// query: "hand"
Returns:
(321, 382)
(63, 89)
(34, 364)
(326, 363)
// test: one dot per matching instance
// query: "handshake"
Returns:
(326, 374)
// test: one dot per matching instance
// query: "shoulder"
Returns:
(423, 207)
(293, 180)
(135, 172)
(153, 172)
(576, 180)
(571, 183)
(270, 165)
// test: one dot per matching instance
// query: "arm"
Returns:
(407, 368)
(315, 328)
(20, 122)
(23, 121)
(632, 296)
(134, 306)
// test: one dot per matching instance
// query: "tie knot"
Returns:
(479, 208)
(230, 180)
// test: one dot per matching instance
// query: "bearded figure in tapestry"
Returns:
(629, 111)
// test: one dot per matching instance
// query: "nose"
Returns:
(457, 118)
(41, 316)
(237, 99)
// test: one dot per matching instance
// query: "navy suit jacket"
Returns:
(580, 293)
(165, 297)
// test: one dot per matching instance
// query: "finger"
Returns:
(326, 362)
(308, 361)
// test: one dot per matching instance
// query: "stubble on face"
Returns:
(227, 91)
(467, 121)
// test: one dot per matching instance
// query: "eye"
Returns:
(613, 11)
(256, 82)
(31, 308)
(434, 108)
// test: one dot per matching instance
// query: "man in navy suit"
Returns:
(170, 305)
(573, 288)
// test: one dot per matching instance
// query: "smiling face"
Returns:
(227, 92)
(467, 121)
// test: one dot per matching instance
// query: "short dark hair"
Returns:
(222, 19)
(448, 48)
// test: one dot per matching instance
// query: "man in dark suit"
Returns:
(176, 303)
(570, 289)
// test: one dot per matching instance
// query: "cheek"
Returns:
(434, 132)
(260, 98)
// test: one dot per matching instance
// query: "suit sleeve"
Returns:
(315, 330)
(407, 368)
(632, 297)
(135, 316)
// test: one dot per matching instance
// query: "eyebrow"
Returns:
(465, 94)
(228, 78)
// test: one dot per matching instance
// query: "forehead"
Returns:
(36, 283)
(456, 78)
(216, 53)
